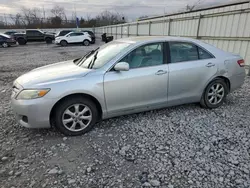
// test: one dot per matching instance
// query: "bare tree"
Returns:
(32, 17)
(58, 11)
(109, 18)
(193, 6)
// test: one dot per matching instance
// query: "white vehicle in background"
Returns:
(74, 38)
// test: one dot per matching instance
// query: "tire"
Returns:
(5, 45)
(48, 40)
(86, 42)
(21, 41)
(64, 43)
(215, 94)
(67, 110)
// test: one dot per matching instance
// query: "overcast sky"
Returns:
(129, 8)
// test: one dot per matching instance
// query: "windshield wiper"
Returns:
(81, 61)
(92, 63)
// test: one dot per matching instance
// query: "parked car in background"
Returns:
(91, 34)
(6, 40)
(10, 32)
(74, 38)
(123, 77)
(34, 35)
(62, 33)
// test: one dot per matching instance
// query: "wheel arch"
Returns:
(97, 103)
(227, 81)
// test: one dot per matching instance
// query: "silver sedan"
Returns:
(123, 77)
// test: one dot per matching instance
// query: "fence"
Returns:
(226, 27)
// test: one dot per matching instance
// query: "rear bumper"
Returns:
(237, 81)
(33, 113)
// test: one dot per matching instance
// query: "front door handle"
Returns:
(161, 72)
(210, 65)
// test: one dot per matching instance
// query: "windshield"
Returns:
(103, 55)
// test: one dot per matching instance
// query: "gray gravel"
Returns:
(183, 146)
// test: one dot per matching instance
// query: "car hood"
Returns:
(52, 73)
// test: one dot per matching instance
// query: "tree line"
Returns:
(56, 18)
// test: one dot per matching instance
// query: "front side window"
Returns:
(183, 51)
(145, 56)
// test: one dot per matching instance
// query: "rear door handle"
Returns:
(161, 72)
(210, 65)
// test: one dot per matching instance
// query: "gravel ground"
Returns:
(183, 146)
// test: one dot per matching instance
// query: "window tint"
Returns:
(203, 54)
(182, 51)
(65, 32)
(145, 56)
(79, 34)
(73, 34)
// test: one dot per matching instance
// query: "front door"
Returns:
(143, 86)
(189, 71)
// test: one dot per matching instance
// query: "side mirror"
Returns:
(122, 66)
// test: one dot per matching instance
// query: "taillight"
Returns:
(241, 62)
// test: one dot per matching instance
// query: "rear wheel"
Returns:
(76, 116)
(64, 43)
(21, 41)
(5, 45)
(215, 94)
(48, 40)
(86, 42)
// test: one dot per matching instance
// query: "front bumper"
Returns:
(12, 43)
(34, 113)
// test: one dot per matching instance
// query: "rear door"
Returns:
(72, 38)
(190, 68)
(34, 35)
(79, 37)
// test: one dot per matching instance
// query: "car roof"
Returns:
(155, 38)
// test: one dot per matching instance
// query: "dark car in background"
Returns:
(34, 35)
(62, 33)
(6, 40)
(11, 33)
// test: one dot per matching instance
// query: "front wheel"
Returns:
(215, 94)
(76, 116)
(21, 41)
(5, 45)
(63, 43)
(86, 42)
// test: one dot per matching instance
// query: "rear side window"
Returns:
(145, 56)
(204, 54)
(183, 51)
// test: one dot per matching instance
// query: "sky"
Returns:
(131, 9)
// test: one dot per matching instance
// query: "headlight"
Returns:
(32, 93)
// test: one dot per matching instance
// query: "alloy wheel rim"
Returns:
(86, 43)
(77, 117)
(5, 45)
(216, 94)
